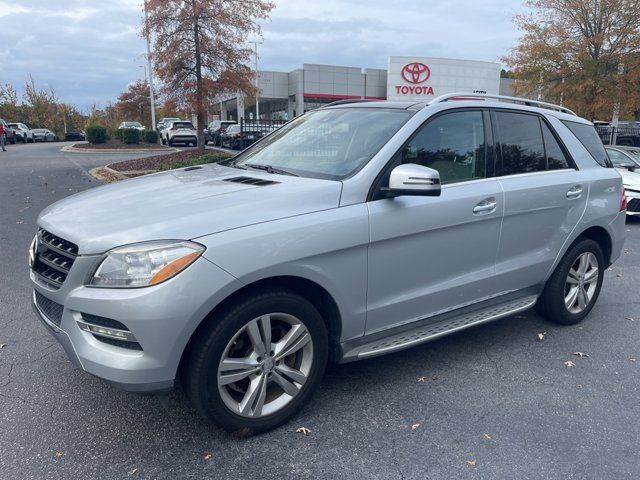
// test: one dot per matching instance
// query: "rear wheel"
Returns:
(573, 288)
(257, 363)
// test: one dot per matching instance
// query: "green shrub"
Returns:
(96, 134)
(151, 136)
(117, 134)
(130, 135)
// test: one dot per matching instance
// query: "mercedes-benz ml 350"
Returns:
(355, 230)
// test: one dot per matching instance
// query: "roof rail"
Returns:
(503, 98)
(345, 102)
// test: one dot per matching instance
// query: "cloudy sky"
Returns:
(88, 51)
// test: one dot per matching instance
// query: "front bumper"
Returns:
(162, 319)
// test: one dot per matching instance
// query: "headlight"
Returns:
(144, 264)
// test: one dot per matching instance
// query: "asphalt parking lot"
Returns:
(495, 403)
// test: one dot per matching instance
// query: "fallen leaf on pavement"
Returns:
(414, 426)
(2, 345)
(619, 274)
(540, 336)
(58, 454)
(303, 430)
(580, 354)
(134, 471)
(208, 456)
(471, 463)
(631, 359)
(422, 379)
(629, 318)
(569, 364)
(434, 377)
(487, 436)
(578, 386)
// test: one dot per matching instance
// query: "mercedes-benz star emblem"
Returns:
(33, 249)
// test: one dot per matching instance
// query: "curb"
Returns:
(73, 149)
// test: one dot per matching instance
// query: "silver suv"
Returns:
(355, 230)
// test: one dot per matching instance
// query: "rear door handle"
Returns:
(485, 207)
(575, 192)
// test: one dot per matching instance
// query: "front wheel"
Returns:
(573, 288)
(257, 362)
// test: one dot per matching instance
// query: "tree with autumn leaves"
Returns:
(200, 49)
(583, 53)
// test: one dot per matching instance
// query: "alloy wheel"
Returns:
(265, 365)
(581, 283)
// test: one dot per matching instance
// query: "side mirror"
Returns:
(412, 179)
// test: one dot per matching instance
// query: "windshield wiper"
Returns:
(269, 169)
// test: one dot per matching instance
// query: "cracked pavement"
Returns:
(543, 420)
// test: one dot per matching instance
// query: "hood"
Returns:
(182, 204)
(630, 179)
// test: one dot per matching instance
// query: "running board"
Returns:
(425, 333)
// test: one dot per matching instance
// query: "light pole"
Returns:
(255, 44)
(153, 100)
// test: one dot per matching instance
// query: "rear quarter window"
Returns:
(589, 138)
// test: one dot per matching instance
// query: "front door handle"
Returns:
(575, 192)
(485, 207)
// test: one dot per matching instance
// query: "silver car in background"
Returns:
(355, 230)
(43, 135)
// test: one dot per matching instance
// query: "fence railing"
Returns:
(621, 135)
(253, 130)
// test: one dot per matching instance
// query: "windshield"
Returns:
(132, 124)
(634, 153)
(329, 144)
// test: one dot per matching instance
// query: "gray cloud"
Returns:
(89, 52)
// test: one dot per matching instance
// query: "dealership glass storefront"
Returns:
(285, 95)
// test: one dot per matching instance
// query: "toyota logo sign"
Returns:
(415, 72)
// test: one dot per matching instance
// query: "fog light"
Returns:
(107, 332)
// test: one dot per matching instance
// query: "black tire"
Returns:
(200, 379)
(162, 140)
(551, 304)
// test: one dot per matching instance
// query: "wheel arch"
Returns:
(319, 297)
(602, 238)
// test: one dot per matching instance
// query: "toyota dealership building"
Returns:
(285, 95)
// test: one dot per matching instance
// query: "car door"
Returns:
(429, 255)
(545, 197)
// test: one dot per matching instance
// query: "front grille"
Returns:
(54, 258)
(51, 309)
(633, 205)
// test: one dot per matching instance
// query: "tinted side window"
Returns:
(453, 144)
(590, 140)
(520, 139)
(556, 159)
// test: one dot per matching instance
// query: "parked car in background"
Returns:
(214, 129)
(134, 125)
(180, 132)
(627, 161)
(75, 135)
(22, 132)
(237, 139)
(44, 135)
(9, 133)
(164, 123)
(357, 230)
